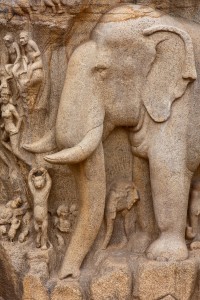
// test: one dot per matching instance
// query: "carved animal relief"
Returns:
(99, 149)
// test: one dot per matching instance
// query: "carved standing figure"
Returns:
(40, 183)
(121, 198)
(62, 220)
(138, 70)
(26, 221)
(11, 123)
(15, 224)
(14, 55)
(193, 230)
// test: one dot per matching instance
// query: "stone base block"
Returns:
(166, 280)
(65, 290)
(34, 289)
(113, 281)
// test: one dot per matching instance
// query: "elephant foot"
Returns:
(168, 248)
(68, 271)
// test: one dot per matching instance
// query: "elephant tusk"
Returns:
(79, 152)
(71, 155)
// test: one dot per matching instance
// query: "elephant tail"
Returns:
(46, 144)
(79, 152)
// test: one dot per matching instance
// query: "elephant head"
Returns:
(124, 66)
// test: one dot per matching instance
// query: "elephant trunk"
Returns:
(79, 126)
(79, 152)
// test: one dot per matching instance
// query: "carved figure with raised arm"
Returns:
(40, 183)
(138, 70)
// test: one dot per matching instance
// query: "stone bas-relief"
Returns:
(99, 151)
(149, 122)
(121, 198)
(40, 183)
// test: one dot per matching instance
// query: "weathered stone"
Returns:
(168, 297)
(114, 281)
(34, 289)
(166, 279)
(67, 291)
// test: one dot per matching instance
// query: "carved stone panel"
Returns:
(99, 149)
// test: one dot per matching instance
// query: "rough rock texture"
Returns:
(113, 281)
(34, 289)
(158, 280)
(66, 291)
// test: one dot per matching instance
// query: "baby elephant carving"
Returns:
(121, 198)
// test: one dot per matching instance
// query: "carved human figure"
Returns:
(10, 215)
(13, 64)
(26, 222)
(31, 55)
(193, 230)
(15, 203)
(11, 123)
(3, 231)
(3, 78)
(6, 216)
(73, 214)
(62, 220)
(40, 183)
(121, 198)
(53, 4)
(15, 224)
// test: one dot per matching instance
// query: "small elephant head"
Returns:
(122, 195)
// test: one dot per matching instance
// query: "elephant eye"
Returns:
(100, 68)
(101, 71)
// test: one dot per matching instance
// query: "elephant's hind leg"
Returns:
(91, 182)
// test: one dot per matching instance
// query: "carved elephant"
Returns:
(138, 70)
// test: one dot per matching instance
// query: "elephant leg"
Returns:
(91, 183)
(146, 228)
(170, 181)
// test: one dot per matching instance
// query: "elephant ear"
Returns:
(171, 71)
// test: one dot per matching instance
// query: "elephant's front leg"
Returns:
(91, 182)
(170, 181)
